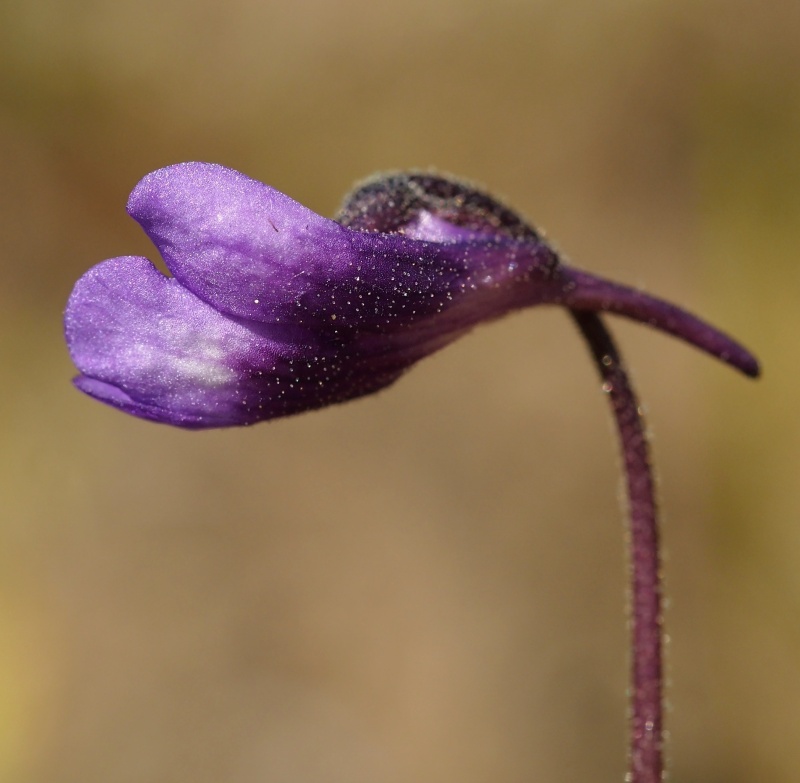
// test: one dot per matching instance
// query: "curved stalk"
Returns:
(646, 692)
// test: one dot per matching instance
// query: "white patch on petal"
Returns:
(205, 371)
(183, 353)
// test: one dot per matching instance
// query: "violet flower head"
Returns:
(272, 309)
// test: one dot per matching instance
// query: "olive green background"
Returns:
(427, 585)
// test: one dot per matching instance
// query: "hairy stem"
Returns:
(646, 719)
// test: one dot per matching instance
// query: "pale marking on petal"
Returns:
(186, 354)
(207, 373)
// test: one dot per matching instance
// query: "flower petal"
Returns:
(235, 242)
(254, 253)
(146, 345)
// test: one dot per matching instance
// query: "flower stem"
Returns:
(646, 719)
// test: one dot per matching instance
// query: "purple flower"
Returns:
(273, 310)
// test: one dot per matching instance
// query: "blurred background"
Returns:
(428, 584)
